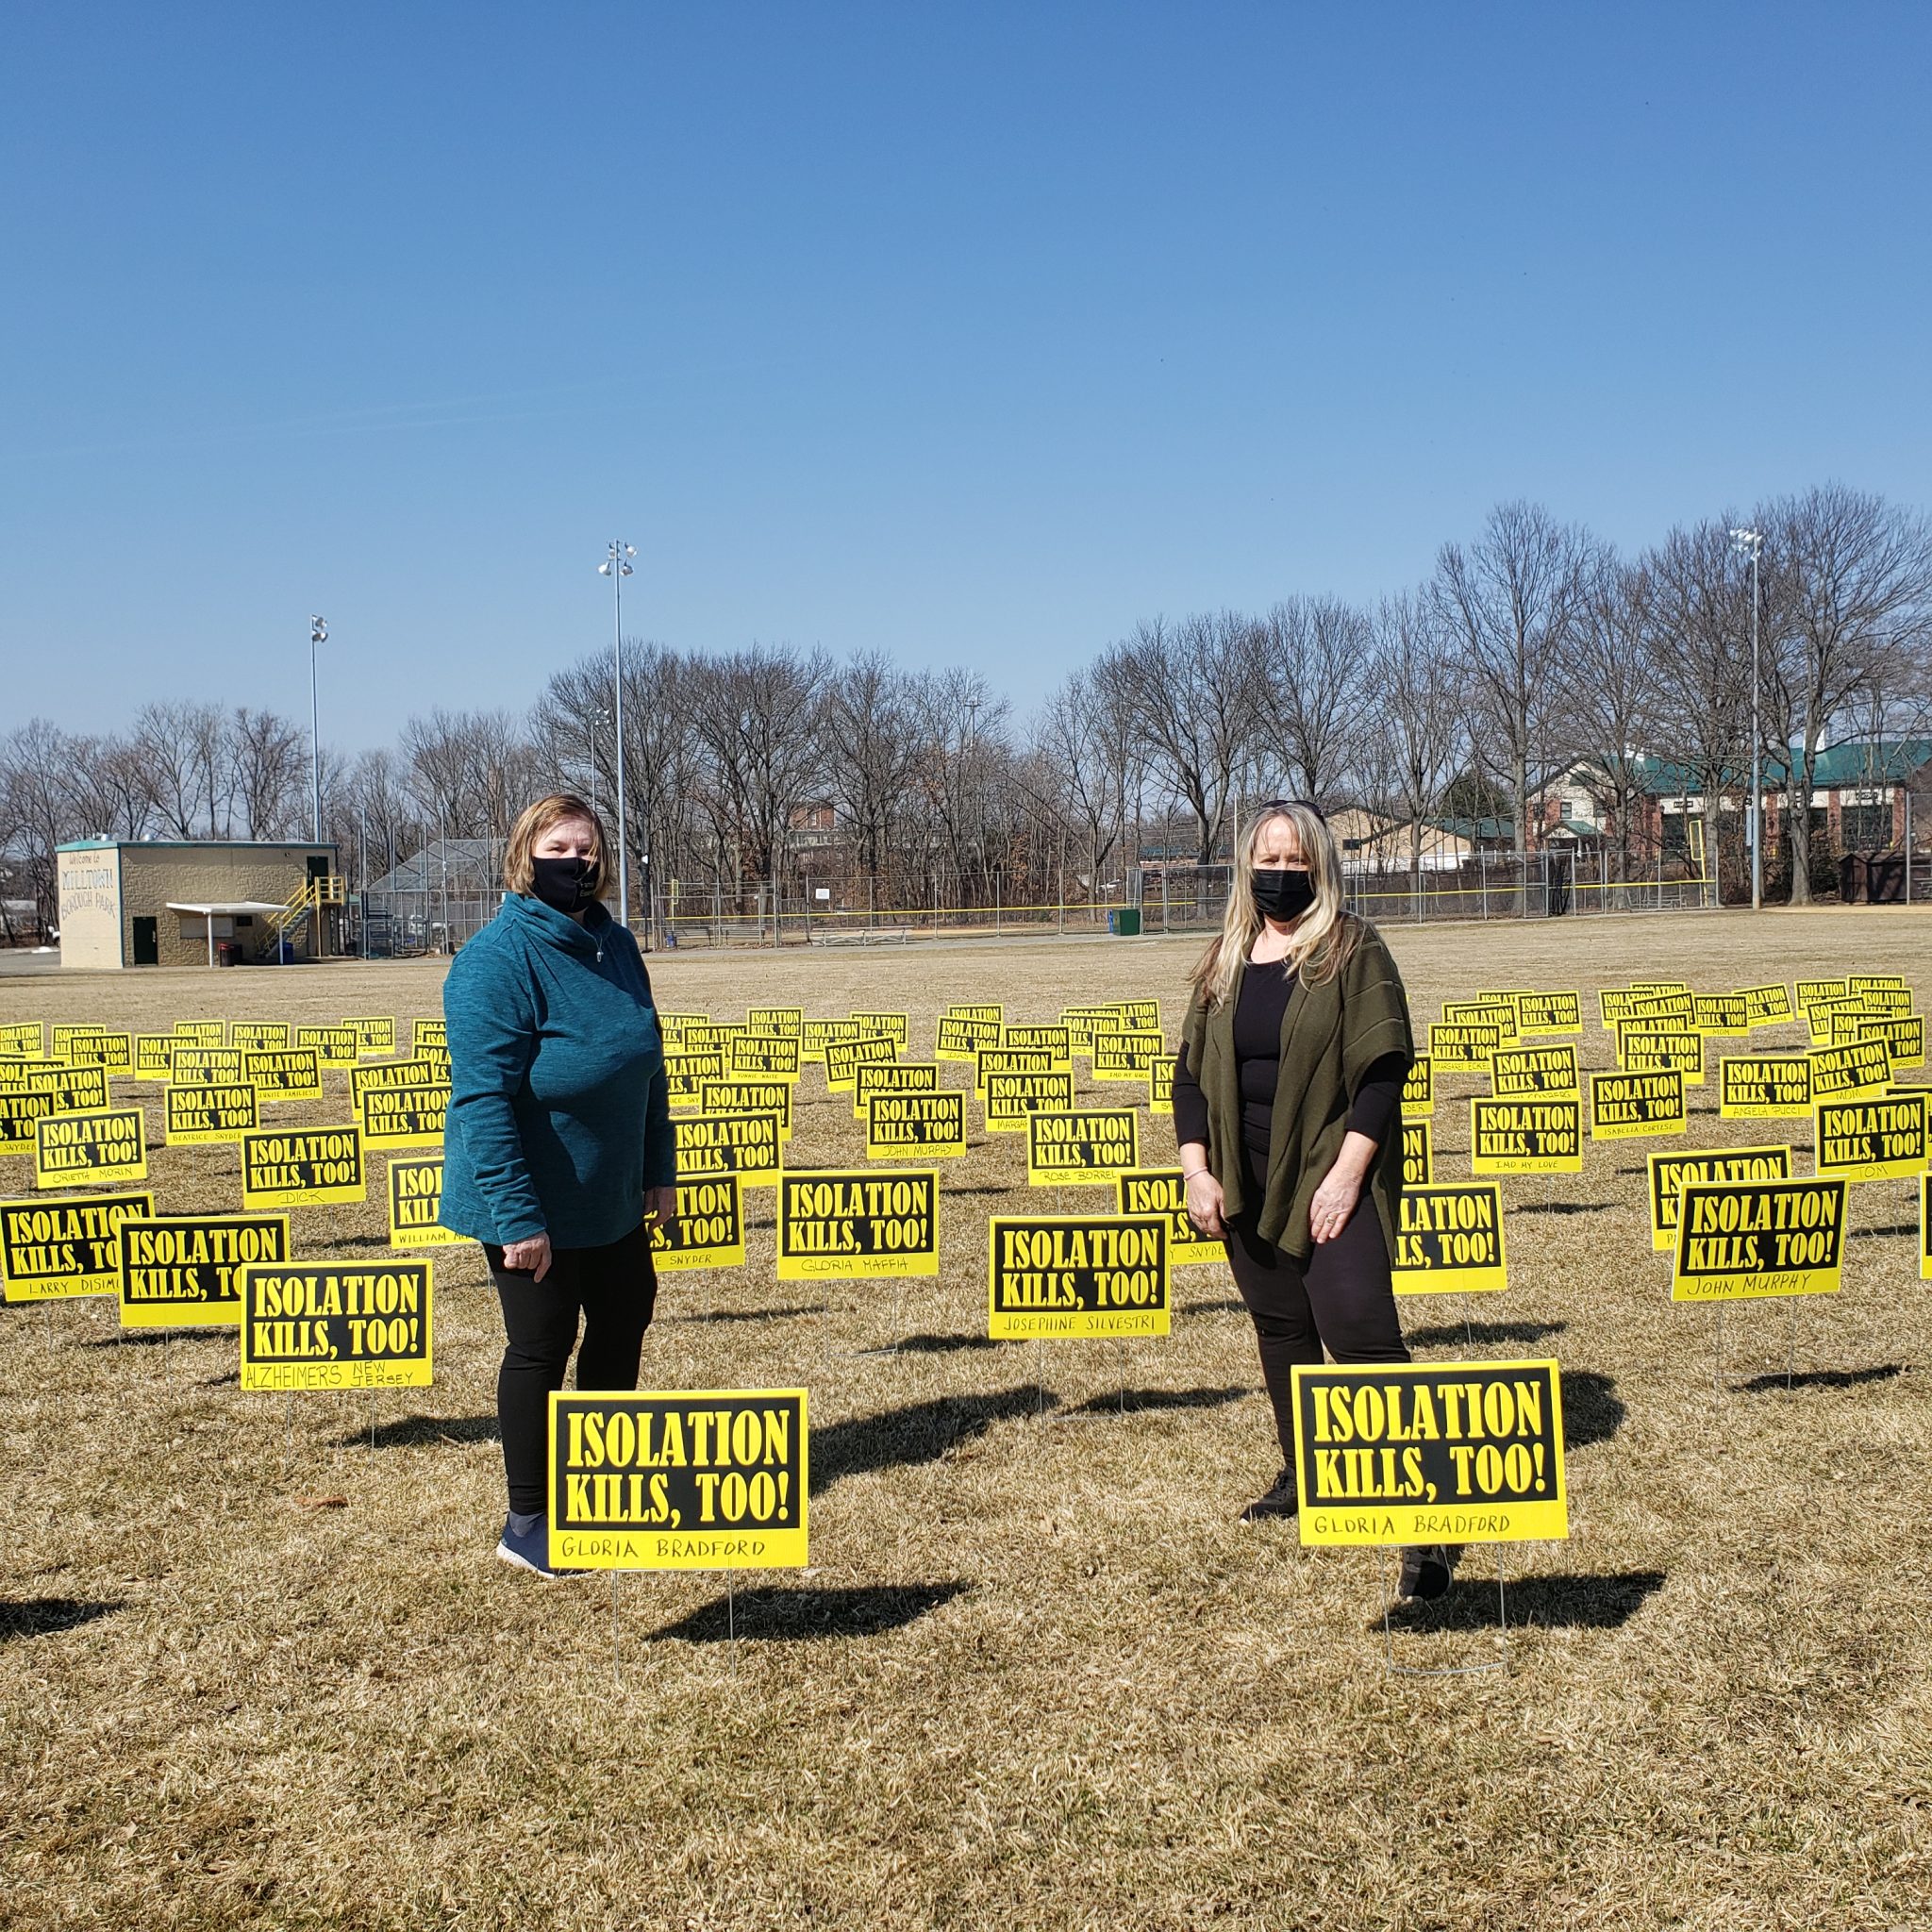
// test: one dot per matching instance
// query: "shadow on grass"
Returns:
(946, 1344)
(1822, 1378)
(420, 1431)
(1163, 1398)
(920, 1432)
(222, 1382)
(806, 1616)
(45, 1616)
(1449, 1334)
(988, 1186)
(1232, 1306)
(1563, 1208)
(754, 1314)
(160, 1337)
(1897, 1227)
(1592, 1409)
(1549, 1603)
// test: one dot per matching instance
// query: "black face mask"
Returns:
(1283, 892)
(568, 884)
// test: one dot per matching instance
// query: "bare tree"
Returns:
(268, 762)
(1614, 689)
(1849, 586)
(1312, 654)
(1511, 599)
(1192, 693)
(1418, 737)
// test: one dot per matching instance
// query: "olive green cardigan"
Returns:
(1330, 1036)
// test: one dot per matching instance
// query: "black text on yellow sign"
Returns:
(749, 1096)
(895, 1026)
(428, 1033)
(74, 1149)
(708, 1230)
(1164, 1191)
(182, 1271)
(1540, 1015)
(154, 1055)
(1419, 1089)
(1540, 1135)
(1011, 1097)
(961, 1038)
(1767, 1006)
(376, 1035)
(64, 1033)
(418, 1071)
(53, 1250)
(1127, 1055)
(1447, 1452)
(1501, 1014)
(1457, 1046)
(1904, 1035)
(843, 1059)
(212, 1066)
(1850, 1072)
(198, 1116)
(1518, 1071)
(202, 1032)
(21, 1108)
(692, 1479)
(1160, 1083)
(1764, 1087)
(113, 1051)
(1719, 1015)
(258, 1036)
(396, 1117)
(764, 1057)
(24, 1038)
(335, 1045)
(746, 1144)
(1645, 1049)
(784, 1023)
(277, 1073)
(1876, 1140)
(859, 1224)
(1670, 1172)
(1741, 1239)
(1068, 1276)
(1626, 1106)
(1081, 1146)
(1418, 1154)
(897, 1125)
(335, 1324)
(1011, 1059)
(415, 1200)
(1051, 1039)
(687, 1075)
(1449, 1239)
(301, 1167)
(891, 1076)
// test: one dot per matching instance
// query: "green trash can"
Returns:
(1125, 921)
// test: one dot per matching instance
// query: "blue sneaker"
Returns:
(529, 1549)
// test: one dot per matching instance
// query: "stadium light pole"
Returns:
(318, 633)
(1751, 543)
(616, 566)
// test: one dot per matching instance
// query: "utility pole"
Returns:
(616, 566)
(318, 633)
(1751, 543)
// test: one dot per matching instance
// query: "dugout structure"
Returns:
(153, 902)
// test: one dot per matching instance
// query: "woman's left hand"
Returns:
(1334, 1200)
(660, 1206)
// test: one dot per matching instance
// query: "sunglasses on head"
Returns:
(1269, 805)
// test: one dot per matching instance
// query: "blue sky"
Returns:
(970, 333)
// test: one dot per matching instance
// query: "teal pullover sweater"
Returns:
(558, 1114)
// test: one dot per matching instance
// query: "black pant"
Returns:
(615, 1288)
(1340, 1297)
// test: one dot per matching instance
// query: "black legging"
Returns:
(1339, 1296)
(615, 1288)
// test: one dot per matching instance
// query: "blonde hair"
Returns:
(1326, 933)
(533, 822)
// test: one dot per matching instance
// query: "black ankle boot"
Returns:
(1279, 1500)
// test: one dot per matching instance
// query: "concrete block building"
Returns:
(153, 902)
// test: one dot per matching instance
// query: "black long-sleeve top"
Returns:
(1257, 1017)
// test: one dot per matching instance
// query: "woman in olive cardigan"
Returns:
(1288, 1108)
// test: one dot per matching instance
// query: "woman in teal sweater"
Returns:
(558, 1150)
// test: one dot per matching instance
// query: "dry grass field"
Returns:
(1039, 1676)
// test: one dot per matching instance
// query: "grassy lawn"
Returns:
(1039, 1676)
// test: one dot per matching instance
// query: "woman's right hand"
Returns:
(1204, 1203)
(531, 1258)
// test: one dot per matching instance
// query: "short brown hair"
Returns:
(534, 821)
